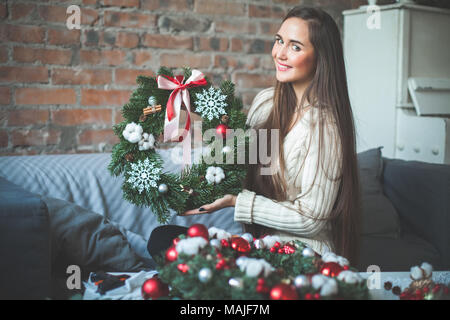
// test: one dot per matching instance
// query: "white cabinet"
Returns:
(398, 71)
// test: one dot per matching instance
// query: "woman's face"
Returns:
(292, 52)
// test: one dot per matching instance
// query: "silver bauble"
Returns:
(259, 244)
(236, 283)
(204, 275)
(163, 188)
(248, 237)
(301, 281)
(308, 252)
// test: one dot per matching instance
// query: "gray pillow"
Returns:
(378, 214)
(87, 239)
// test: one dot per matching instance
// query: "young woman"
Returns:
(314, 195)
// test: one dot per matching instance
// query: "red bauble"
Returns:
(283, 291)
(240, 245)
(288, 249)
(221, 130)
(198, 230)
(171, 254)
(331, 269)
(183, 267)
(154, 288)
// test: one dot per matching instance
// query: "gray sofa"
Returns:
(61, 210)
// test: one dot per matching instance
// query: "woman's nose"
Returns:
(281, 53)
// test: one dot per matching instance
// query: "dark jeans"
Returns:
(161, 238)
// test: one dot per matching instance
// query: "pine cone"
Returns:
(420, 284)
(142, 118)
(225, 119)
(129, 157)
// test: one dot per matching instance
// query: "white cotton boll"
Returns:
(218, 233)
(191, 246)
(329, 288)
(133, 132)
(343, 261)
(428, 268)
(416, 273)
(318, 280)
(269, 241)
(254, 267)
(349, 277)
(214, 175)
(332, 257)
(147, 142)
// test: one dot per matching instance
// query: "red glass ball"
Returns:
(171, 254)
(240, 245)
(198, 230)
(331, 269)
(283, 291)
(221, 130)
(154, 288)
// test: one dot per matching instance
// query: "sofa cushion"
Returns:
(24, 244)
(87, 239)
(420, 193)
(378, 214)
(397, 254)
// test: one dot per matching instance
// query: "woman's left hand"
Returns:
(227, 200)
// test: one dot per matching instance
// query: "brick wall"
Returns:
(61, 90)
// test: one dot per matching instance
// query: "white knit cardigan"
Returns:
(284, 218)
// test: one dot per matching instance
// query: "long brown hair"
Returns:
(328, 93)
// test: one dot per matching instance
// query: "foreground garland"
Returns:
(213, 264)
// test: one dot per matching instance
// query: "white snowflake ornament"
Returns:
(211, 103)
(214, 175)
(147, 142)
(133, 132)
(144, 175)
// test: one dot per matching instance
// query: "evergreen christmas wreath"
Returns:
(213, 264)
(153, 110)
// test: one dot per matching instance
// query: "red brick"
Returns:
(73, 117)
(167, 41)
(236, 62)
(3, 11)
(118, 116)
(169, 5)
(127, 40)
(248, 80)
(218, 7)
(128, 19)
(121, 3)
(142, 58)
(179, 60)
(258, 11)
(59, 14)
(94, 97)
(89, 136)
(35, 137)
(27, 117)
(45, 96)
(3, 138)
(89, 17)
(103, 57)
(5, 95)
(128, 76)
(21, 10)
(239, 27)
(237, 45)
(212, 44)
(46, 56)
(23, 74)
(81, 76)
(63, 36)
(3, 54)
(23, 34)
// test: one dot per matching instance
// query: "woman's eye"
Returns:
(296, 48)
(279, 41)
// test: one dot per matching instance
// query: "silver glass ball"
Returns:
(204, 275)
(248, 237)
(163, 188)
(301, 281)
(236, 283)
(259, 244)
(308, 252)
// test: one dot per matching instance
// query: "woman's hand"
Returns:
(227, 200)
